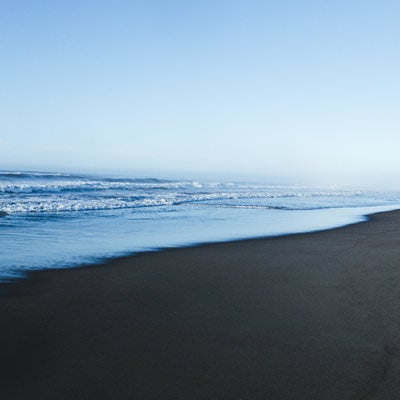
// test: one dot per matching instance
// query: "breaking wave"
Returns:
(46, 192)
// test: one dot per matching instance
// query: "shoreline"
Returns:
(346, 217)
(309, 315)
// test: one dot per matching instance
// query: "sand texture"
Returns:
(311, 316)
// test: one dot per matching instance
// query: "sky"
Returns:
(291, 89)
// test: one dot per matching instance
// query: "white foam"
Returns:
(54, 192)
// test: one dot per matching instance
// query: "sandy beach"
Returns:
(310, 316)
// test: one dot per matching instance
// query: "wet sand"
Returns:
(310, 316)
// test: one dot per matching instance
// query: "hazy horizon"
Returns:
(300, 92)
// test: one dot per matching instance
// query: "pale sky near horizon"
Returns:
(299, 89)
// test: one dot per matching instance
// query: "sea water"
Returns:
(59, 220)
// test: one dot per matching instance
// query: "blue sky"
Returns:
(305, 90)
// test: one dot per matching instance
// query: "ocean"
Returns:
(60, 220)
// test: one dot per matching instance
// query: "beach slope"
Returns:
(310, 316)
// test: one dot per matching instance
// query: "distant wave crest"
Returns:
(42, 192)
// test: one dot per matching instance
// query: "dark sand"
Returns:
(311, 316)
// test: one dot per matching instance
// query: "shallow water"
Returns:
(63, 220)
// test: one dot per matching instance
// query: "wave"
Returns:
(41, 192)
(50, 204)
(154, 185)
(138, 180)
(33, 175)
(78, 205)
(59, 175)
(80, 186)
